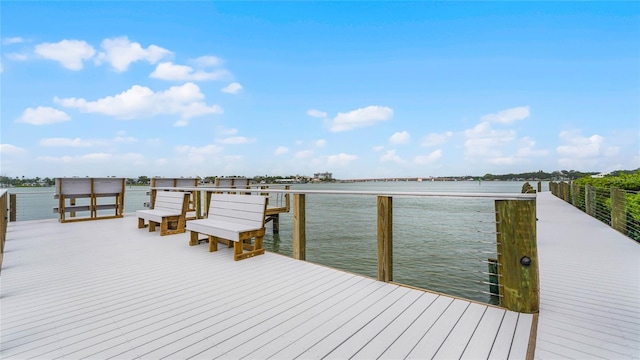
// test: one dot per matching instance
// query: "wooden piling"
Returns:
(12, 207)
(619, 210)
(517, 255)
(539, 186)
(385, 238)
(299, 231)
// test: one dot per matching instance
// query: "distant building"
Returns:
(322, 176)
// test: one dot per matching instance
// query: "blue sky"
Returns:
(359, 89)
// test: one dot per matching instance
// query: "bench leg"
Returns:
(193, 240)
(238, 249)
(213, 243)
(152, 226)
(256, 249)
(164, 227)
(140, 223)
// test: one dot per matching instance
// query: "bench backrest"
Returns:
(176, 201)
(240, 209)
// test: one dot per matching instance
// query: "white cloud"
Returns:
(133, 158)
(237, 140)
(8, 149)
(320, 143)
(362, 117)
(341, 159)
(69, 53)
(224, 131)
(77, 142)
(378, 148)
(199, 154)
(120, 53)
(17, 57)
(526, 149)
(484, 141)
(428, 159)
(205, 61)
(579, 146)
(232, 88)
(125, 139)
(435, 139)
(611, 151)
(391, 156)
(141, 102)
(12, 40)
(173, 72)
(317, 113)
(281, 150)
(43, 115)
(401, 137)
(304, 154)
(87, 158)
(508, 116)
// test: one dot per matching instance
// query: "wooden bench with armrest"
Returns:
(233, 218)
(169, 211)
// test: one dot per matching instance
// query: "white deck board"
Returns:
(106, 289)
(479, 347)
(590, 286)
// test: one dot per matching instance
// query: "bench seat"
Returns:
(234, 219)
(170, 208)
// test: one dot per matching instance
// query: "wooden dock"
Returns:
(106, 289)
(589, 286)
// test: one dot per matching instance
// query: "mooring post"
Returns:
(618, 210)
(299, 232)
(517, 255)
(12, 207)
(385, 238)
(539, 186)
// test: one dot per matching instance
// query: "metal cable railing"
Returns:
(617, 208)
(443, 242)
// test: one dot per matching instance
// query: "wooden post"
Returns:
(3, 223)
(618, 210)
(566, 192)
(575, 195)
(518, 255)
(299, 232)
(385, 238)
(198, 204)
(539, 186)
(72, 202)
(287, 198)
(13, 207)
(590, 200)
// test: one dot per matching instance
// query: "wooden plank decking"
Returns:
(589, 286)
(106, 289)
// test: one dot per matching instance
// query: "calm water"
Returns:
(440, 244)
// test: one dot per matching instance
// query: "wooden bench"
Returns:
(233, 218)
(169, 210)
